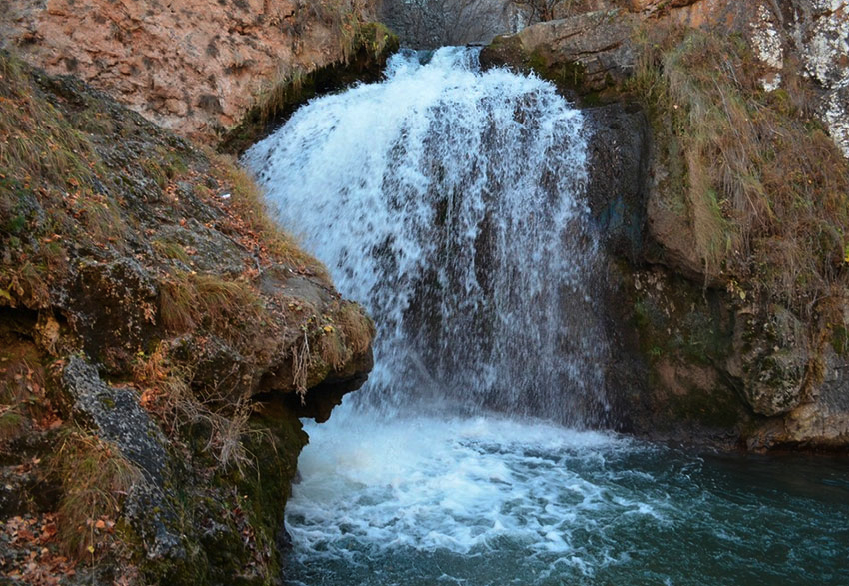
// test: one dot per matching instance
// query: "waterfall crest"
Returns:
(448, 201)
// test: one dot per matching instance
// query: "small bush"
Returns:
(169, 396)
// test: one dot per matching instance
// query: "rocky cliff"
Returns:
(193, 67)
(720, 179)
(160, 339)
(161, 335)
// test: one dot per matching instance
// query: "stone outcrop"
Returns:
(587, 52)
(590, 47)
(698, 352)
(161, 335)
(192, 67)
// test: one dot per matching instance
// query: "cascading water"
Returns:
(447, 201)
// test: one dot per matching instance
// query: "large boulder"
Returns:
(586, 53)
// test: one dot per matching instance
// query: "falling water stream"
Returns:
(448, 201)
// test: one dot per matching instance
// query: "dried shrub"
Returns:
(169, 396)
(765, 191)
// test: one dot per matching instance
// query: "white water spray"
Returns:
(447, 201)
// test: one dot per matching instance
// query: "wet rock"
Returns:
(586, 53)
(618, 163)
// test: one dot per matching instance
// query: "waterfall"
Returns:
(447, 200)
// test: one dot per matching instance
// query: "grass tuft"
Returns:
(357, 328)
(227, 307)
(95, 477)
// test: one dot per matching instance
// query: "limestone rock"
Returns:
(589, 46)
(587, 52)
(193, 67)
(114, 414)
(770, 356)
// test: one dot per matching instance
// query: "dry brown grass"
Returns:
(36, 142)
(332, 349)
(23, 397)
(47, 196)
(95, 477)
(230, 308)
(301, 362)
(765, 191)
(254, 223)
(170, 249)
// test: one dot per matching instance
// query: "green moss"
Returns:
(107, 402)
(568, 75)
(840, 340)
(719, 408)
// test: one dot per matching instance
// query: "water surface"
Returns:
(489, 501)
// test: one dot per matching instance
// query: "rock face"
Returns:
(160, 339)
(707, 350)
(586, 53)
(192, 67)
(591, 46)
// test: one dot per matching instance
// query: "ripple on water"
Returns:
(493, 501)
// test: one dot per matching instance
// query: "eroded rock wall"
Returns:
(195, 67)
(735, 348)
(160, 337)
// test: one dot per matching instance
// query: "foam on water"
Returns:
(466, 487)
(488, 501)
(457, 484)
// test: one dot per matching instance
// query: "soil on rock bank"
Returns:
(160, 338)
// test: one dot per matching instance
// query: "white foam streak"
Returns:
(458, 485)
